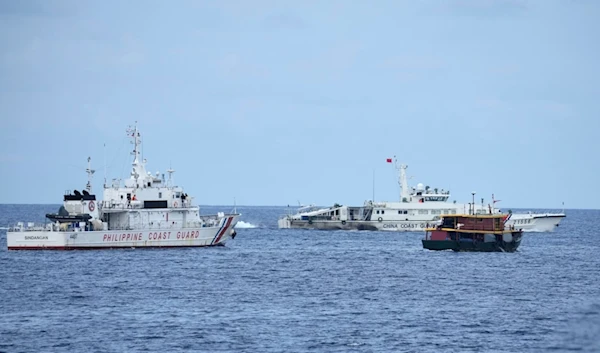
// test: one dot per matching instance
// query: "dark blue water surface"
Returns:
(274, 290)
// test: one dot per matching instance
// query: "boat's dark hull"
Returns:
(500, 246)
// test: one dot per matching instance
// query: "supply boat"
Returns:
(473, 232)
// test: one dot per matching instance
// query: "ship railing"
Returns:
(538, 212)
(292, 216)
(313, 218)
(217, 216)
(434, 192)
(111, 205)
(168, 226)
(63, 227)
(33, 227)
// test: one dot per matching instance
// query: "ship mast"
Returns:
(90, 173)
(135, 134)
(404, 194)
(138, 168)
(494, 204)
(170, 171)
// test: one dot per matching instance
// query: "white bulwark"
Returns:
(147, 211)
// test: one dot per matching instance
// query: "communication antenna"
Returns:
(104, 157)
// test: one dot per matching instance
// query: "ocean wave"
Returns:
(242, 224)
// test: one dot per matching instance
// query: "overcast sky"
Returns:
(275, 102)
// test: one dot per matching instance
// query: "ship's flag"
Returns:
(389, 160)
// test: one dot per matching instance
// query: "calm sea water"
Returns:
(274, 290)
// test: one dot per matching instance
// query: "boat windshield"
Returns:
(436, 198)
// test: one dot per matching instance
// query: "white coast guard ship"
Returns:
(420, 207)
(148, 211)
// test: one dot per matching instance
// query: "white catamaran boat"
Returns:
(148, 211)
(420, 207)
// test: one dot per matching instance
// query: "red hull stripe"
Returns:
(223, 231)
(104, 247)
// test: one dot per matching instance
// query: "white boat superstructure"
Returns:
(419, 207)
(145, 211)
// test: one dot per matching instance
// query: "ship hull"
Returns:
(390, 226)
(536, 222)
(472, 246)
(159, 238)
(525, 223)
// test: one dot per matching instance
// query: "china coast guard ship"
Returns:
(419, 208)
(148, 211)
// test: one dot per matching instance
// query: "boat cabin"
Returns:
(473, 232)
(479, 222)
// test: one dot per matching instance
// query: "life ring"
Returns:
(380, 219)
(91, 206)
(175, 204)
(344, 223)
(310, 221)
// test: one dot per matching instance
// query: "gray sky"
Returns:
(275, 102)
